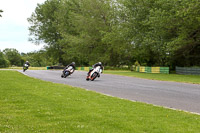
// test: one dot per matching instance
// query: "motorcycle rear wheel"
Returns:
(94, 75)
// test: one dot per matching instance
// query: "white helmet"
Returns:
(100, 63)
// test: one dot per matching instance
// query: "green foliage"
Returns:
(38, 58)
(120, 32)
(3, 61)
(13, 56)
(89, 22)
(165, 29)
(45, 28)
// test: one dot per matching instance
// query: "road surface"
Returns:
(181, 96)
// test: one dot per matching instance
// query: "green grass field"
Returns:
(31, 105)
(194, 79)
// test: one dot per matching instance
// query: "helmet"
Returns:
(73, 63)
(27, 62)
(100, 63)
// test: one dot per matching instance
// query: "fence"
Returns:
(152, 69)
(188, 70)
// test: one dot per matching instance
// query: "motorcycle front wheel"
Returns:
(24, 69)
(94, 75)
(66, 74)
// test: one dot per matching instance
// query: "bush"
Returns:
(3, 62)
(13, 56)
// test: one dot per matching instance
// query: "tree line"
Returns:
(118, 32)
(12, 57)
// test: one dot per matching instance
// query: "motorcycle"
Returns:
(94, 74)
(67, 72)
(25, 67)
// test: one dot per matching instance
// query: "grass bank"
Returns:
(194, 79)
(31, 105)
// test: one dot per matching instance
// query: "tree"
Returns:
(159, 28)
(90, 19)
(3, 62)
(13, 56)
(119, 32)
(44, 27)
(175, 31)
(37, 58)
(71, 29)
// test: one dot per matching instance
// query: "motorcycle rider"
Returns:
(94, 66)
(72, 65)
(26, 65)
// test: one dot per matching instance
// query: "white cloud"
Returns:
(14, 26)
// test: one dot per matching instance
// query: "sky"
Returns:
(14, 31)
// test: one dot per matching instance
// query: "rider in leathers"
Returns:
(27, 64)
(94, 66)
(72, 64)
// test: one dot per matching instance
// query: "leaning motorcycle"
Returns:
(25, 67)
(94, 74)
(67, 72)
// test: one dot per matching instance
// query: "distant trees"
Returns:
(119, 32)
(13, 56)
(3, 61)
(38, 58)
(75, 30)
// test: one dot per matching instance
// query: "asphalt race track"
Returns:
(179, 96)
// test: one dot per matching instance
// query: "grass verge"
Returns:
(194, 79)
(32, 105)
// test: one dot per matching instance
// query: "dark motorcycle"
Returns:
(67, 72)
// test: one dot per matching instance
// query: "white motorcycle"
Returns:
(67, 72)
(94, 74)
